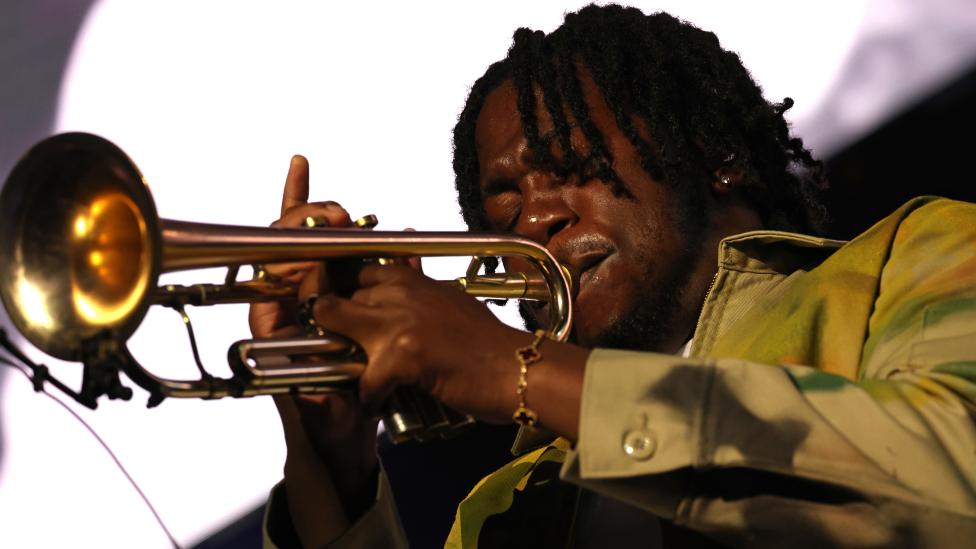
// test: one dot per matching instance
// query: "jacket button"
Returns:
(640, 444)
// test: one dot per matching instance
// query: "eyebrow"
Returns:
(498, 186)
(548, 137)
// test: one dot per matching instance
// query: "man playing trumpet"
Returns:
(733, 379)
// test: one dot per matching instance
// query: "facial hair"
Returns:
(650, 318)
(647, 323)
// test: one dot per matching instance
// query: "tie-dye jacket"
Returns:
(828, 401)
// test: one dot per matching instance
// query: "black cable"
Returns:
(118, 463)
(6, 362)
(40, 371)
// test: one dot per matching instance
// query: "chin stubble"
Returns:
(648, 321)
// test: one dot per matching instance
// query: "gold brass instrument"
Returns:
(82, 249)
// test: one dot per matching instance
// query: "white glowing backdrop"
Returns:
(211, 99)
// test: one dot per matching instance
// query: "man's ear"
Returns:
(727, 175)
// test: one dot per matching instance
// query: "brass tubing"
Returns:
(187, 245)
(507, 286)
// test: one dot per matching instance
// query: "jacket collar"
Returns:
(774, 251)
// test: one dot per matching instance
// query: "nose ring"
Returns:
(533, 219)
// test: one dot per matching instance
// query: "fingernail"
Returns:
(315, 399)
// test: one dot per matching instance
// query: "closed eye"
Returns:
(510, 226)
(503, 202)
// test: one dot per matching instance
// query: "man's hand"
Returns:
(331, 466)
(267, 319)
(417, 331)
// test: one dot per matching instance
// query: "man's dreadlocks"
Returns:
(697, 100)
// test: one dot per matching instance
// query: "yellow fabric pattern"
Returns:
(495, 493)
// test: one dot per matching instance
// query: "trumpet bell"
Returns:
(79, 244)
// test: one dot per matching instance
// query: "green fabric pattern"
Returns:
(495, 493)
(883, 320)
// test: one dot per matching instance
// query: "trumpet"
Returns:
(82, 249)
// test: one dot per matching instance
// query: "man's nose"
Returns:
(545, 212)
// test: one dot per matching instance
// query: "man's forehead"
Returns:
(499, 125)
(499, 115)
(500, 137)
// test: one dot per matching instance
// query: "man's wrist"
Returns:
(553, 387)
(359, 497)
(316, 509)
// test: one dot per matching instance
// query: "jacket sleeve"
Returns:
(378, 528)
(766, 455)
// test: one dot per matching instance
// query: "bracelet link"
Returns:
(526, 356)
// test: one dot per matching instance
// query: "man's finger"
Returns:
(296, 184)
(375, 385)
(414, 262)
(328, 213)
(351, 319)
(374, 274)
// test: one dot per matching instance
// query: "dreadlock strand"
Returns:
(523, 65)
(573, 92)
(553, 101)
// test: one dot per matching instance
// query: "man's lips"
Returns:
(582, 256)
(589, 268)
(590, 272)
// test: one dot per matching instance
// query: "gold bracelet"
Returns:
(526, 356)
